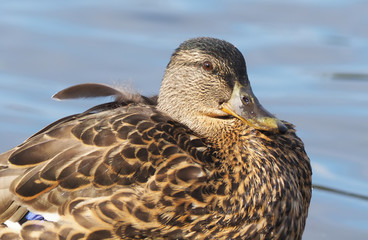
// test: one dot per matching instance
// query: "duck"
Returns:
(202, 160)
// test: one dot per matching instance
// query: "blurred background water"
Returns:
(307, 62)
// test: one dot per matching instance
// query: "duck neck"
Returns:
(263, 181)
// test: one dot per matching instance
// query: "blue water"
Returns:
(307, 61)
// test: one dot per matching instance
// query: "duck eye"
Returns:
(207, 65)
(245, 100)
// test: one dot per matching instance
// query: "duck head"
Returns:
(206, 87)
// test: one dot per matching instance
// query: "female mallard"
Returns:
(206, 161)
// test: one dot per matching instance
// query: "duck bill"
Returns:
(246, 107)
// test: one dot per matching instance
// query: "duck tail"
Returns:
(9, 210)
(122, 94)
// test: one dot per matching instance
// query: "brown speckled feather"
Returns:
(200, 165)
(158, 180)
(92, 154)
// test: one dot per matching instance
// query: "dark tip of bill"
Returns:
(282, 128)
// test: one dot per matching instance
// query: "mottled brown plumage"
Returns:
(206, 162)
